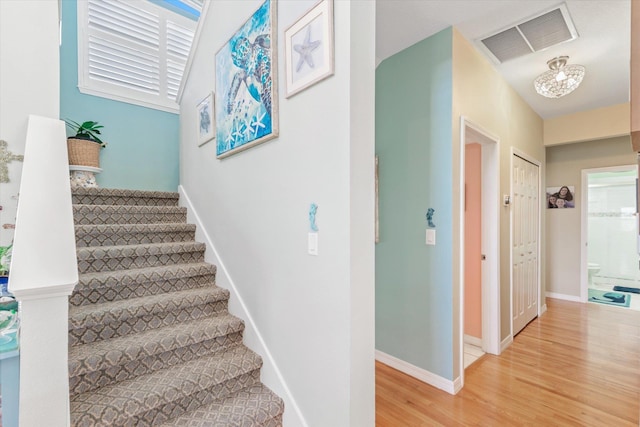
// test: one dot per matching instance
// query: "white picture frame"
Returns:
(206, 121)
(309, 48)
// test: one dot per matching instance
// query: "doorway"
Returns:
(480, 276)
(609, 256)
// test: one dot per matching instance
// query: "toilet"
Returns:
(592, 269)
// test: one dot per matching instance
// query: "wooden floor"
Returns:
(578, 365)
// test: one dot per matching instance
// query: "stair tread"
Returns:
(138, 249)
(149, 273)
(116, 192)
(116, 403)
(93, 314)
(118, 351)
(147, 228)
(128, 208)
(252, 406)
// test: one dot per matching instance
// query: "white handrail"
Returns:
(43, 274)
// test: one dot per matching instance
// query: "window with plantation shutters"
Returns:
(132, 51)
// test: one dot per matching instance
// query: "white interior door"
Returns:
(524, 252)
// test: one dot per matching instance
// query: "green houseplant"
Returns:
(84, 147)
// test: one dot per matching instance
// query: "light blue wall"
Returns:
(142, 151)
(414, 320)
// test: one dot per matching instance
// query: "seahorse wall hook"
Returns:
(313, 209)
(430, 213)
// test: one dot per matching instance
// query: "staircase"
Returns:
(151, 342)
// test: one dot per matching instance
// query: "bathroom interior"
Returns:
(612, 243)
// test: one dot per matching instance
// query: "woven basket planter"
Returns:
(83, 152)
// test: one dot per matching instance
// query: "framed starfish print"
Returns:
(246, 96)
(309, 48)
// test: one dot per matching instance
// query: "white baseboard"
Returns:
(506, 343)
(543, 309)
(451, 387)
(473, 340)
(565, 297)
(457, 385)
(270, 374)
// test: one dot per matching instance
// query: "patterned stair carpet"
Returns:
(151, 341)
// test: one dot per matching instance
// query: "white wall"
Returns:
(29, 84)
(314, 313)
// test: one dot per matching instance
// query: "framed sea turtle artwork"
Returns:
(246, 96)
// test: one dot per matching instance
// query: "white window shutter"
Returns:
(179, 40)
(132, 51)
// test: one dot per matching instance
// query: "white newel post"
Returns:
(43, 274)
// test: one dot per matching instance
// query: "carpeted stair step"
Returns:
(109, 258)
(151, 399)
(89, 323)
(105, 362)
(108, 286)
(124, 214)
(133, 234)
(254, 406)
(109, 196)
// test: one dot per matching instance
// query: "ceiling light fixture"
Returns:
(560, 80)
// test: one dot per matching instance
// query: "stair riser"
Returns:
(112, 328)
(163, 412)
(117, 291)
(95, 265)
(99, 378)
(97, 215)
(116, 239)
(123, 200)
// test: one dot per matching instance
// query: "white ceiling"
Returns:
(603, 45)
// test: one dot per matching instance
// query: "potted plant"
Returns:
(84, 147)
(5, 262)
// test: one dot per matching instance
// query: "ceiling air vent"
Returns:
(535, 34)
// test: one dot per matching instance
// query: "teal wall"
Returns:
(414, 320)
(142, 151)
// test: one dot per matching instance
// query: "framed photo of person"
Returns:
(561, 197)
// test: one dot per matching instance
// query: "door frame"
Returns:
(542, 307)
(490, 238)
(584, 276)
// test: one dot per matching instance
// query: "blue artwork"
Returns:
(430, 213)
(313, 209)
(246, 77)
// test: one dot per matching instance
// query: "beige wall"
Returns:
(484, 97)
(563, 233)
(606, 122)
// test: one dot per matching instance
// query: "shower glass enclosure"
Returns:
(612, 246)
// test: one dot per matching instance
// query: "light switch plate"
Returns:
(431, 236)
(312, 243)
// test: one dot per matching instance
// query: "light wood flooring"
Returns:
(577, 365)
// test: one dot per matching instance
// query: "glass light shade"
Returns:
(560, 80)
